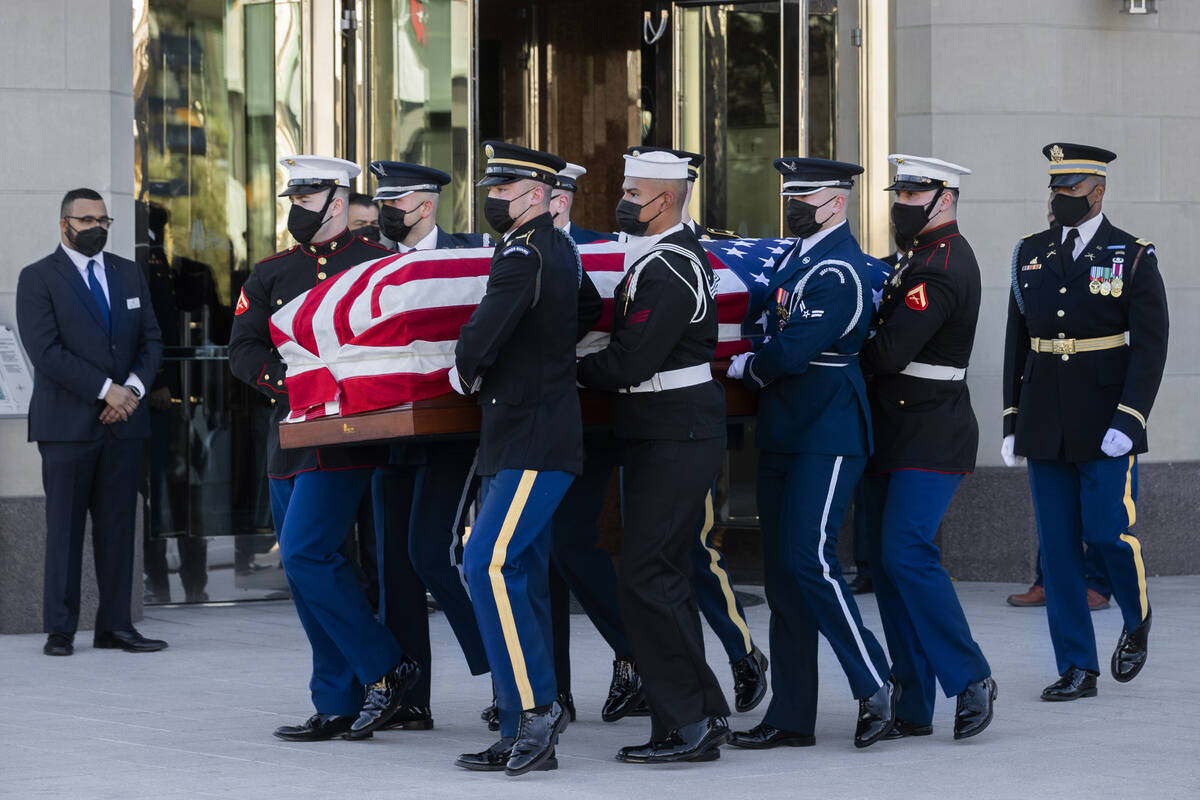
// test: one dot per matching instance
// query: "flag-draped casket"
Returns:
(382, 334)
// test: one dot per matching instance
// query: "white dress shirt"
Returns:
(81, 264)
(428, 242)
(1086, 231)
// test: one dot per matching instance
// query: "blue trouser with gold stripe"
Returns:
(927, 632)
(350, 647)
(714, 590)
(1088, 502)
(802, 498)
(506, 560)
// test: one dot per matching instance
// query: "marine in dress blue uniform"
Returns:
(1083, 358)
(670, 416)
(418, 495)
(315, 491)
(814, 434)
(517, 353)
(926, 437)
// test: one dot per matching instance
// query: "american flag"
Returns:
(383, 333)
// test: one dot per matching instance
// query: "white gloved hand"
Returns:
(455, 381)
(1007, 448)
(1116, 444)
(737, 366)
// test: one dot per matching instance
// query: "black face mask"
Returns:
(392, 221)
(88, 241)
(1068, 210)
(303, 224)
(802, 217)
(369, 232)
(497, 211)
(629, 212)
(911, 220)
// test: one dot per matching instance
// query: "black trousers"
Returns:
(664, 485)
(100, 478)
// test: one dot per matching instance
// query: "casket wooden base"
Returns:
(451, 416)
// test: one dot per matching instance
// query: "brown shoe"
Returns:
(1096, 601)
(1036, 596)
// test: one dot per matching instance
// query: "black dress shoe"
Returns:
(59, 644)
(700, 741)
(624, 693)
(876, 714)
(384, 697)
(974, 710)
(493, 759)
(1130, 655)
(1071, 685)
(317, 728)
(862, 583)
(901, 730)
(749, 680)
(130, 641)
(763, 737)
(491, 713)
(410, 718)
(536, 739)
(568, 703)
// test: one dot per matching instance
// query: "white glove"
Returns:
(1011, 459)
(1116, 444)
(737, 366)
(455, 381)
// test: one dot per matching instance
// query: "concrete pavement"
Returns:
(195, 721)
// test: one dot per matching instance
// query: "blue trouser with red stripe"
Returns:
(802, 498)
(350, 647)
(506, 561)
(927, 632)
(1092, 503)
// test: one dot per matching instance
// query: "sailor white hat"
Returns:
(656, 164)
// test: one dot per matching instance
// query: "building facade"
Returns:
(178, 111)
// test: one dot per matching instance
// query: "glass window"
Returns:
(419, 54)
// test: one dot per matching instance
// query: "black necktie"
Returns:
(1069, 245)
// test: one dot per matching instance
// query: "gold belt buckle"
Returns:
(1063, 346)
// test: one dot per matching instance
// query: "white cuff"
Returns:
(104, 389)
(136, 382)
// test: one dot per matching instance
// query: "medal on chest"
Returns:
(781, 308)
(1117, 284)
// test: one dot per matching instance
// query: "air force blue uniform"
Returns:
(1084, 354)
(814, 434)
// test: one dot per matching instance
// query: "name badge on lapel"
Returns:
(133, 302)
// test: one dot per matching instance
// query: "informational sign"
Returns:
(16, 379)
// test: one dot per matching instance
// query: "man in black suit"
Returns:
(86, 321)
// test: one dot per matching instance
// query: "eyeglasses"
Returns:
(91, 222)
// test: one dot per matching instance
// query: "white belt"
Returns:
(673, 379)
(933, 372)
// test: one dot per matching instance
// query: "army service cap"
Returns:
(568, 177)
(308, 174)
(1071, 163)
(924, 173)
(398, 179)
(511, 162)
(803, 176)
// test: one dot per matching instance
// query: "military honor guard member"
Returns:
(695, 160)
(562, 200)
(1083, 359)
(670, 415)
(315, 491)
(517, 353)
(814, 434)
(926, 437)
(418, 495)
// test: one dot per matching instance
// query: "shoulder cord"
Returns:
(798, 292)
(1016, 285)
